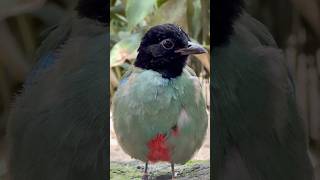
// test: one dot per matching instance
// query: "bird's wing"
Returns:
(257, 29)
(284, 139)
(147, 105)
(54, 37)
(264, 123)
(46, 54)
(192, 121)
(257, 123)
(59, 122)
(155, 95)
(143, 106)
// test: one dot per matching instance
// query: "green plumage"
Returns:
(147, 104)
(57, 124)
(257, 127)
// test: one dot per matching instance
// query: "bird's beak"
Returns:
(193, 48)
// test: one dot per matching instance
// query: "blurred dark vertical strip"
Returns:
(301, 85)
(212, 93)
(296, 28)
(107, 75)
(21, 25)
(205, 5)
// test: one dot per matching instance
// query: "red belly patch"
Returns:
(158, 149)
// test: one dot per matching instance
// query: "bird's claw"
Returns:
(173, 176)
(145, 177)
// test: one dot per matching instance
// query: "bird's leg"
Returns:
(172, 170)
(145, 175)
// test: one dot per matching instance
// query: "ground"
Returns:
(193, 170)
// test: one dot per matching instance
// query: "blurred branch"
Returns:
(173, 11)
(205, 60)
(119, 9)
(14, 7)
(113, 78)
(11, 55)
(205, 5)
(310, 10)
(5, 97)
(26, 31)
(4, 89)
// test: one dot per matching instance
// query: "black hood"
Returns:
(93, 9)
(225, 12)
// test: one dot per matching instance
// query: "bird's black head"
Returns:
(93, 9)
(165, 49)
(225, 12)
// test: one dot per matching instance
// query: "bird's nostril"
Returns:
(189, 45)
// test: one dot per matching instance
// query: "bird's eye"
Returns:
(167, 44)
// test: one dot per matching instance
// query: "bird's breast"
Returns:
(157, 119)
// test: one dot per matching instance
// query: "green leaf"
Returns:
(194, 17)
(124, 49)
(173, 11)
(160, 2)
(205, 14)
(137, 10)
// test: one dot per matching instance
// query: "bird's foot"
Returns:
(145, 176)
(174, 175)
(172, 171)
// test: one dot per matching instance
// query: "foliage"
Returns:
(130, 19)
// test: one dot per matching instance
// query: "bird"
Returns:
(257, 129)
(159, 112)
(58, 121)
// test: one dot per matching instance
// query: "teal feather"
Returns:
(147, 104)
(257, 128)
(57, 125)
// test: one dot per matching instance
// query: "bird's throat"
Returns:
(167, 68)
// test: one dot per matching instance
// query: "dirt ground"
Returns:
(117, 154)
